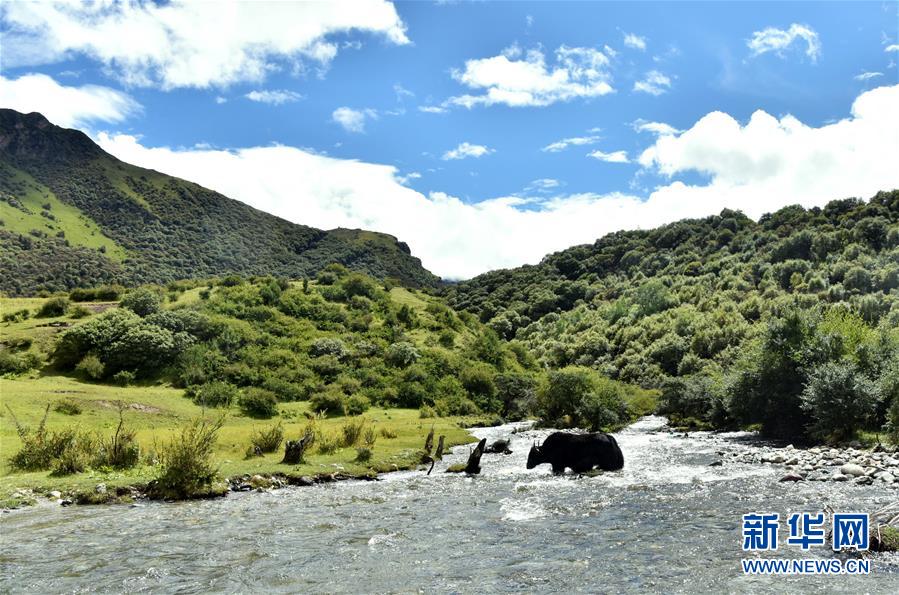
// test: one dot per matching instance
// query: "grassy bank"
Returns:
(156, 411)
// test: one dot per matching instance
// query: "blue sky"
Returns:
(488, 180)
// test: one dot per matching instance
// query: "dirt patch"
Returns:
(98, 307)
(134, 406)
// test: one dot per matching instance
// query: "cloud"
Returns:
(654, 83)
(892, 48)
(63, 105)
(635, 41)
(543, 185)
(274, 97)
(523, 79)
(613, 157)
(658, 128)
(465, 150)
(561, 145)
(865, 76)
(402, 92)
(776, 40)
(432, 109)
(756, 167)
(189, 44)
(353, 120)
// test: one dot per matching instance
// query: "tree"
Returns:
(839, 399)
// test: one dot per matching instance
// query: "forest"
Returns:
(788, 324)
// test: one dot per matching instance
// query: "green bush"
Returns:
(12, 363)
(402, 354)
(120, 450)
(351, 431)
(53, 307)
(185, 462)
(67, 407)
(363, 454)
(17, 316)
(839, 400)
(143, 301)
(215, 394)
(331, 401)
(356, 405)
(41, 448)
(259, 403)
(91, 366)
(268, 440)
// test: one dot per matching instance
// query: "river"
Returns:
(667, 523)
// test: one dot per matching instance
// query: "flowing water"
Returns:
(667, 523)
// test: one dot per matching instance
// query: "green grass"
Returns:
(42, 331)
(157, 411)
(79, 229)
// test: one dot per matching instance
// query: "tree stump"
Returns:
(439, 454)
(294, 449)
(429, 441)
(474, 459)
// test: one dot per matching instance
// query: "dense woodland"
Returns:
(166, 228)
(790, 323)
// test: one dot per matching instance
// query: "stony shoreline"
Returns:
(878, 466)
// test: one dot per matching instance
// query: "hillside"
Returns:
(72, 215)
(731, 318)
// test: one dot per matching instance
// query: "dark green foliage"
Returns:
(18, 363)
(356, 405)
(839, 399)
(104, 293)
(67, 407)
(330, 401)
(258, 402)
(91, 366)
(53, 307)
(170, 228)
(42, 448)
(574, 397)
(143, 301)
(214, 394)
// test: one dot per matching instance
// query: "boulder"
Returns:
(852, 469)
(792, 477)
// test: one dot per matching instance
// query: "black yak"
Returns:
(579, 452)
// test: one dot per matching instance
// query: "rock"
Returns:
(852, 469)
(855, 444)
(864, 480)
(715, 464)
(886, 477)
(837, 461)
(100, 488)
(792, 477)
(793, 461)
(55, 494)
(65, 502)
(838, 477)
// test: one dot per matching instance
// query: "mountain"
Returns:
(73, 215)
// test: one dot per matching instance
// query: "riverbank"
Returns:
(156, 412)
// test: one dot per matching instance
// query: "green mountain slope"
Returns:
(731, 318)
(62, 196)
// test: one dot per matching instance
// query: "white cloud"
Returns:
(189, 44)
(273, 96)
(413, 175)
(518, 81)
(466, 150)
(776, 40)
(432, 109)
(865, 76)
(561, 145)
(658, 128)
(543, 185)
(63, 105)
(654, 83)
(635, 41)
(220, 100)
(892, 48)
(353, 120)
(757, 167)
(613, 157)
(402, 92)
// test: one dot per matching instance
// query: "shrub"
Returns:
(11, 363)
(331, 401)
(356, 405)
(75, 456)
(77, 312)
(327, 443)
(67, 407)
(363, 454)
(402, 354)
(426, 411)
(268, 440)
(119, 451)
(41, 447)
(370, 437)
(17, 316)
(388, 433)
(91, 366)
(53, 307)
(215, 394)
(124, 377)
(185, 462)
(105, 293)
(328, 346)
(839, 400)
(143, 301)
(455, 405)
(258, 402)
(351, 431)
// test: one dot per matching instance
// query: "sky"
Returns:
(483, 134)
